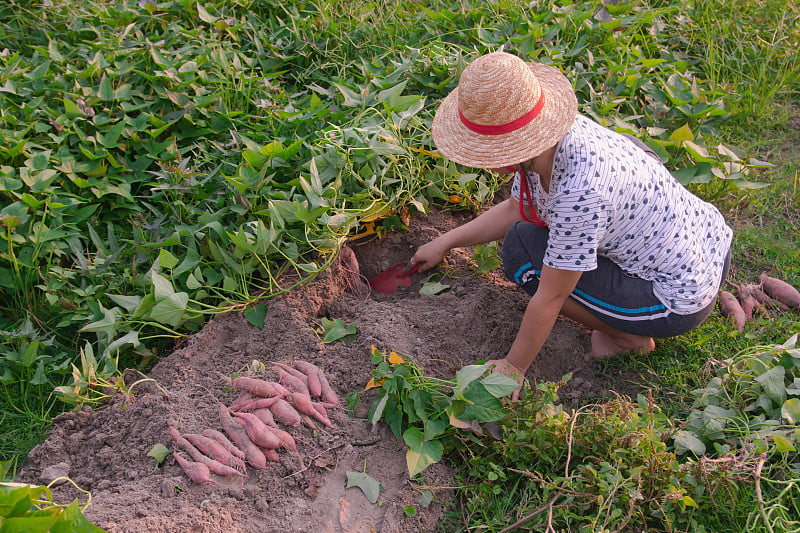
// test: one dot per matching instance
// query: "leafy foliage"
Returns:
(428, 412)
(29, 508)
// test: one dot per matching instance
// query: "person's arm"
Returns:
(489, 226)
(555, 286)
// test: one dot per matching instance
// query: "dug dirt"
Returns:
(105, 451)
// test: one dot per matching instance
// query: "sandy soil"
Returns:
(105, 451)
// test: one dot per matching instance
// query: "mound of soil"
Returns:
(105, 451)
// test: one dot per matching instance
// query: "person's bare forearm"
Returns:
(489, 226)
(540, 315)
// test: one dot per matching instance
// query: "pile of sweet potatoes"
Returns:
(251, 432)
(750, 298)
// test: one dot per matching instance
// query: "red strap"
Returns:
(525, 196)
(500, 129)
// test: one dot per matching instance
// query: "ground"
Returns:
(105, 451)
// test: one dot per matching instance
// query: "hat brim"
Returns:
(462, 145)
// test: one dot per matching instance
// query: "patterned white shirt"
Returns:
(608, 197)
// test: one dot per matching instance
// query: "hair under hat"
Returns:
(504, 111)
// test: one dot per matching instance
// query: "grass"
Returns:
(289, 122)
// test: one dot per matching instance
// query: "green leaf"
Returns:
(431, 286)
(204, 15)
(791, 410)
(782, 444)
(169, 305)
(773, 383)
(688, 442)
(166, 259)
(682, 134)
(368, 485)
(422, 453)
(499, 385)
(256, 315)
(465, 376)
(159, 452)
(480, 405)
(335, 330)
(377, 409)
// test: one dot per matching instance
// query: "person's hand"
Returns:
(428, 256)
(507, 369)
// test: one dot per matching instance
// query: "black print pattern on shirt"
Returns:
(608, 197)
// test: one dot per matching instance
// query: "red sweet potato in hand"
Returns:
(781, 291)
(730, 308)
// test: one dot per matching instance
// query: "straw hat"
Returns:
(503, 112)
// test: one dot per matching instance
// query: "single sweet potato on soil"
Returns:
(781, 291)
(730, 308)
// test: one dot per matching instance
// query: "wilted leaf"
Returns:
(421, 453)
(368, 485)
(791, 410)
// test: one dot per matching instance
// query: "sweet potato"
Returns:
(238, 435)
(765, 300)
(292, 371)
(328, 394)
(255, 386)
(287, 441)
(730, 308)
(224, 441)
(293, 383)
(303, 404)
(781, 291)
(284, 413)
(212, 464)
(197, 472)
(213, 449)
(308, 422)
(746, 300)
(243, 399)
(256, 403)
(265, 415)
(272, 455)
(261, 434)
(312, 377)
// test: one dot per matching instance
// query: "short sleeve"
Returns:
(578, 225)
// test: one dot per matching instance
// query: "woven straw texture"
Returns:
(496, 89)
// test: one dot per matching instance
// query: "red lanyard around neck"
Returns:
(525, 196)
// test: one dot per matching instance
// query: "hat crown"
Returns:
(497, 89)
